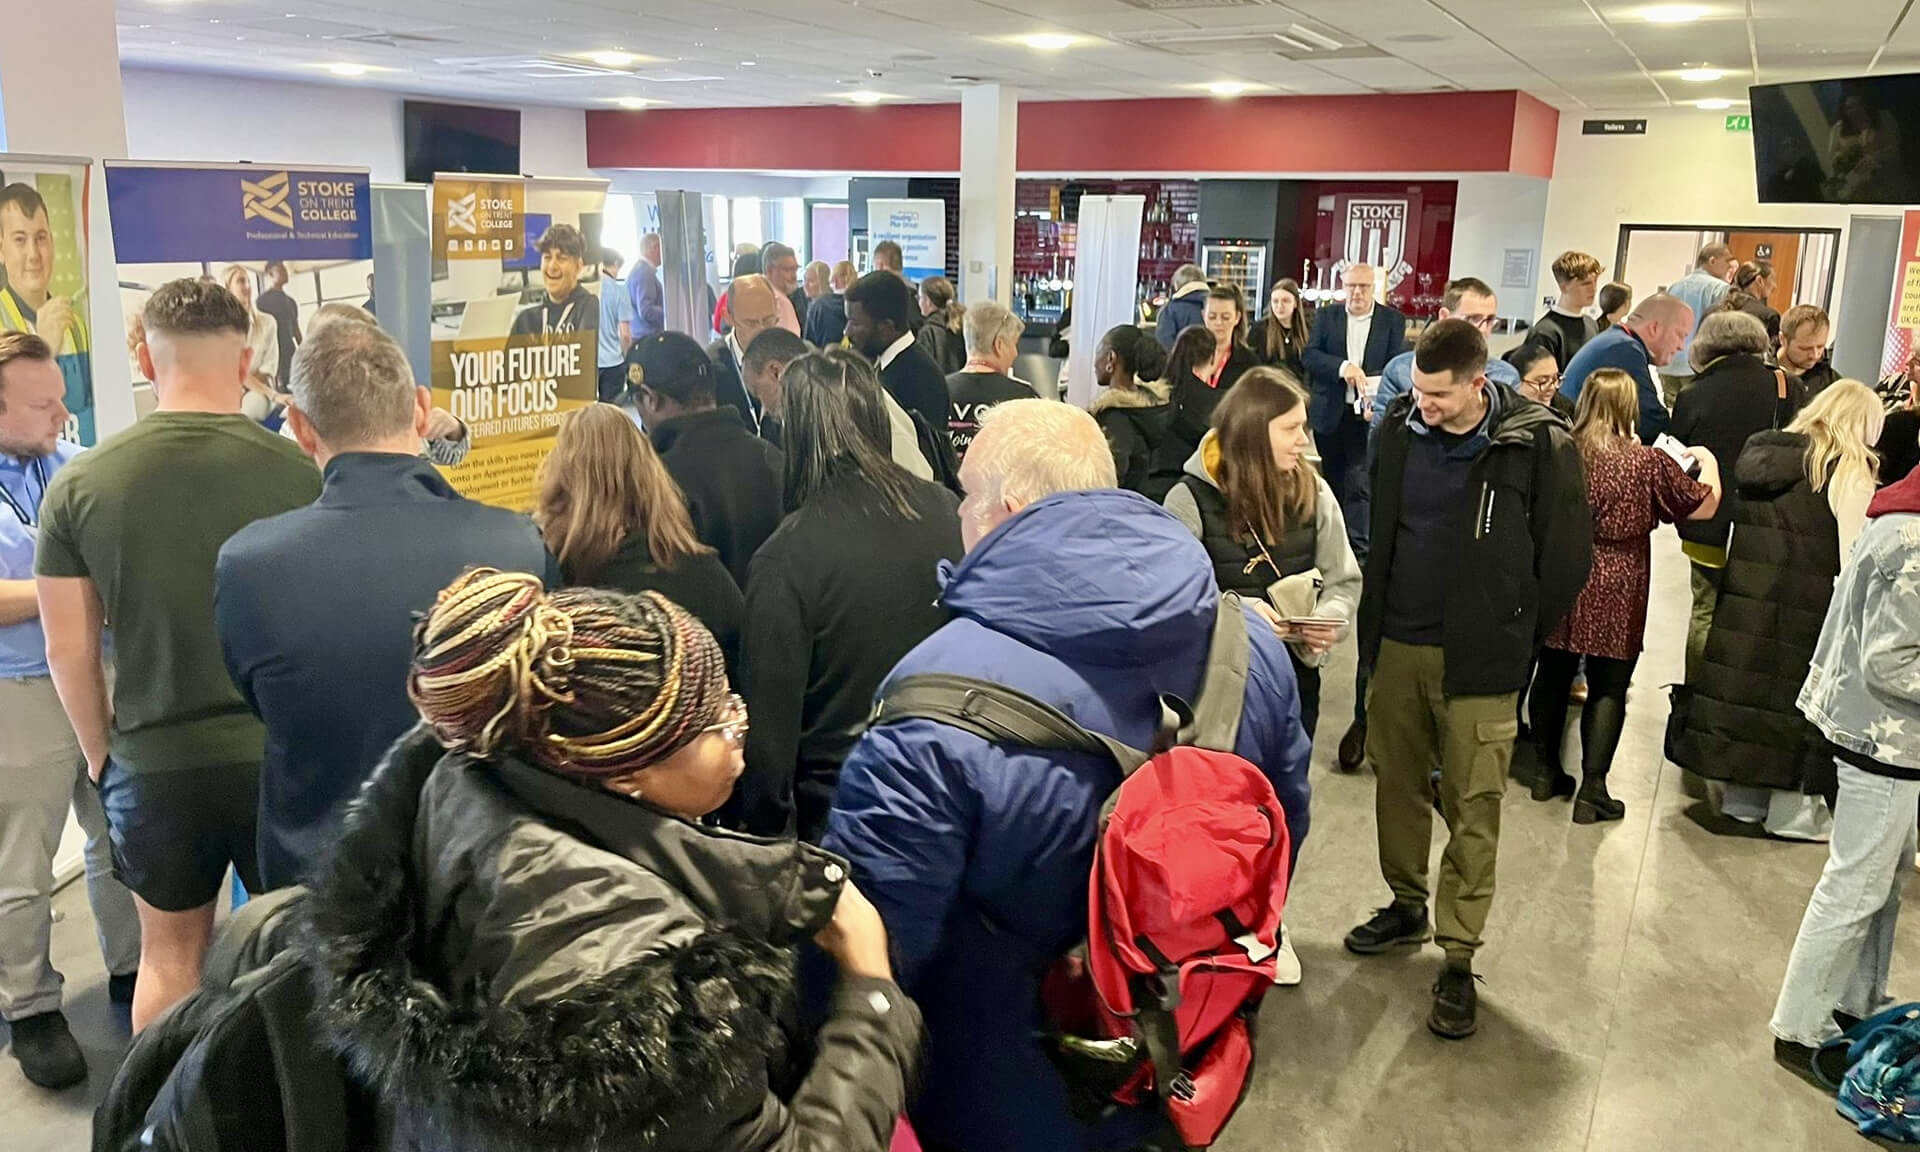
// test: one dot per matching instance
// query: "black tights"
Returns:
(1600, 721)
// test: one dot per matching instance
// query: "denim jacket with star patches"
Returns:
(1863, 689)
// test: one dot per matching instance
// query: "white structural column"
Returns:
(60, 96)
(989, 127)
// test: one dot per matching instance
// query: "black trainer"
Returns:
(1395, 926)
(1456, 1003)
(47, 1051)
(1821, 1067)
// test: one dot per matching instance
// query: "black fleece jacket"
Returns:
(1524, 551)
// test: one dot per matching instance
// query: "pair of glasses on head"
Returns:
(733, 721)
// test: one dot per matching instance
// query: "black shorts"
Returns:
(174, 833)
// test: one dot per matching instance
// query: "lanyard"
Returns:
(27, 514)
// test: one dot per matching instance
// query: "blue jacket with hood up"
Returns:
(977, 855)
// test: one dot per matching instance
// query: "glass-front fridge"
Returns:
(1238, 262)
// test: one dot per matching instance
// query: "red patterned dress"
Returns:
(1631, 490)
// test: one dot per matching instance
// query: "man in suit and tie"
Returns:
(1348, 346)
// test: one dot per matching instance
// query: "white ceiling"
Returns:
(1574, 54)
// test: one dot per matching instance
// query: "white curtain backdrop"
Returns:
(1106, 276)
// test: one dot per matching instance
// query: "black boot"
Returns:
(47, 1052)
(1551, 782)
(1592, 804)
(1353, 748)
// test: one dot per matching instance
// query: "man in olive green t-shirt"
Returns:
(129, 533)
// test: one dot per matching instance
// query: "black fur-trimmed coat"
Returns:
(509, 962)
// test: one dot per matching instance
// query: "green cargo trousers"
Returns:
(1412, 725)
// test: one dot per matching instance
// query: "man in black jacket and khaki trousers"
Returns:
(1481, 542)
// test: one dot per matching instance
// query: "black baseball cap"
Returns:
(672, 364)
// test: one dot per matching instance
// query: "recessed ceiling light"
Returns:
(749, 63)
(635, 102)
(865, 96)
(1047, 41)
(1713, 105)
(613, 59)
(1701, 75)
(1672, 13)
(1226, 87)
(342, 68)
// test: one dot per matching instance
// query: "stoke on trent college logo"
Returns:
(266, 199)
(463, 214)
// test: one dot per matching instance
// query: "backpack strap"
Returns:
(1223, 687)
(997, 713)
(313, 1088)
(233, 951)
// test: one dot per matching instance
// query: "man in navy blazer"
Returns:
(1348, 346)
(315, 607)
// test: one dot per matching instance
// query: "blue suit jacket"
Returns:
(315, 611)
(1327, 349)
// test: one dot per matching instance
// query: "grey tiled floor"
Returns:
(1630, 970)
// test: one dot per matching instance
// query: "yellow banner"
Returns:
(511, 392)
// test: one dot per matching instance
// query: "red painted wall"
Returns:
(886, 138)
(1536, 133)
(1425, 132)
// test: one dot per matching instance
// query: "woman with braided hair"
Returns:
(526, 939)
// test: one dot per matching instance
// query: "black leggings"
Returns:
(1600, 721)
(1307, 679)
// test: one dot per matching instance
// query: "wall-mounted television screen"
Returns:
(460, 138)
(1852, 141)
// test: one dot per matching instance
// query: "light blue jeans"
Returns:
(1840, 957)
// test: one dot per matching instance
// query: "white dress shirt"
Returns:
(894, 349)
(1359, 329)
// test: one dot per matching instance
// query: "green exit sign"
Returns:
(1741, 123)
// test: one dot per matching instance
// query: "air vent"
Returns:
(1293, 42)
(393, 39)
(527, 67)
(1191, 5)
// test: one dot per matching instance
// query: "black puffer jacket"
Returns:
(1730, 399)
(517, 962)
(1741, 724)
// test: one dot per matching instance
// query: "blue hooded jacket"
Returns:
(977, 855)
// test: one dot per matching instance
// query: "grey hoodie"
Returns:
(1339, 570)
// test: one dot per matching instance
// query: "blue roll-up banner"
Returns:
(284, 240)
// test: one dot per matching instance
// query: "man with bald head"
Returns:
(753, 306)
(1649, 338)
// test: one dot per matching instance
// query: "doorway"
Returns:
(1652, 256)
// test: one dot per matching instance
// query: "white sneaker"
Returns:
(1286, 965)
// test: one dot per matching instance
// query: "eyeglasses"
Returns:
(1552, 381)
(1483, 323)
(734, 727)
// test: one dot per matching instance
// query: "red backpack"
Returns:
(1189, 880)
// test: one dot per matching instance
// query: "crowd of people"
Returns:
(596, 791)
